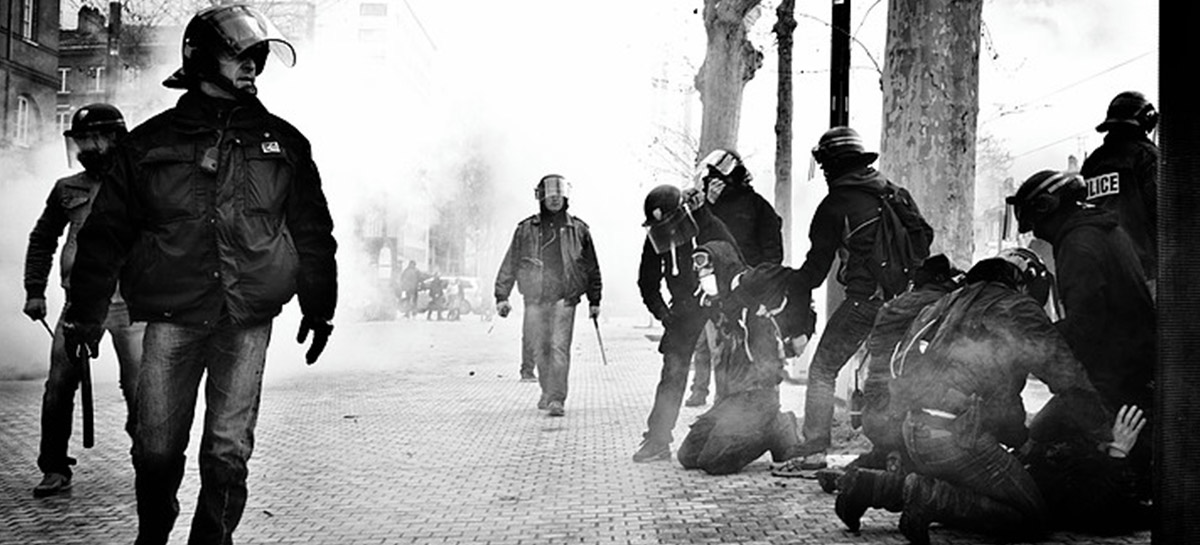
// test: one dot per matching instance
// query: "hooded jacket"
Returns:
(216, 210)
(1110, 320)
(1122, 176)
(752, 222)
(682, 283)
(842, 226)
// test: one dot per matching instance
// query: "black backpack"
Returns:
(901, 242)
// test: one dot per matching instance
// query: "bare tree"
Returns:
(930, 112)
(730, 61)
(785, 26)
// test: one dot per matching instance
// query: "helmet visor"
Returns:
(674, 230)
(552, 186)
(717, 163)
(243, 27)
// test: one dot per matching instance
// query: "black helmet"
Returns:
(98, 117)
(1043, 193)
(669, 222)
(1019, 268)
(229, 29)
(840, 144)
(1129, 108)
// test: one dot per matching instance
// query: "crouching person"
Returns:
(960, 370)
(746, 422)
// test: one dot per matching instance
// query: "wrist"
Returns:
(1116, 451)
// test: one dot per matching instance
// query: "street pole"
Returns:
(839, 116)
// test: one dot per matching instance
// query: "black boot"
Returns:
(861, 489)
(914, 521)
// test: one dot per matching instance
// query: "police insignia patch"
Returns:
(271, 147)
(1103, 185)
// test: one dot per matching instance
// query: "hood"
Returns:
(727, 263)
(864, 178)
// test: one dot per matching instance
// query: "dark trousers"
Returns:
(847, 328)
(678, 343)
(552, 327)
(230, 360)
(736, 431)
(982, 486)
(58, 401)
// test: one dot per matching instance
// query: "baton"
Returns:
(85, 393)
(47, 326)
(603, 356)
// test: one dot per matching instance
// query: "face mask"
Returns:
(92, 160)
(708, 284)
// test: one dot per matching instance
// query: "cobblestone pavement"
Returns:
(419, 432)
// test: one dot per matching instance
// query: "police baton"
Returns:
(47, 326)
(600, 340)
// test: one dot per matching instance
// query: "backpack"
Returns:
(901, 242)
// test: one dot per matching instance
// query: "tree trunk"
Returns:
(729, 62)
(785, 26)
(930, 109)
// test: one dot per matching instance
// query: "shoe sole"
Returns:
(664, 456)
(47, 493)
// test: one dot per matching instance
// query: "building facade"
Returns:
(28, 72)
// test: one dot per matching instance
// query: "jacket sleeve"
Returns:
(770, 232)
(43, 241)
(592, 269)
(825, 237)
(311, 226)
(650, 275)
(507, 275)
(103, 243)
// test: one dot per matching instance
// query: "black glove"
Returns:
(320, 330)
(82, 341)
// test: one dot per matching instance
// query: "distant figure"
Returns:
(553, 262)
(410, 282)
(437, 296)
(458, 304)
(91, 138)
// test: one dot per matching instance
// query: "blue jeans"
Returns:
(176, 358)
(528, 366)
(58, 402)
(549, 328)
(847, 328)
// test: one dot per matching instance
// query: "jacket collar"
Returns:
(864, 178)
(1101, 218)
(200, 110)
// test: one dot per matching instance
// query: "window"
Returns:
(99, 82)
(62, 118)
(62, 81)
(21, 130)
(372, 9)
(28, 7)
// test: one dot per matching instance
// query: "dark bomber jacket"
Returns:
(580, 269)
(230, 244)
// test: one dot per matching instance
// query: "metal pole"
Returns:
(839, 115)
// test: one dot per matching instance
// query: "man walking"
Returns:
(216, 208)
(94, 131)
(553, 263)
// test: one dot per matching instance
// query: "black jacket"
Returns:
(523, 265)
(230, 244)
(1122, 176)
(753, 223)
(1110, 319)
(683, 318)
(842, 225)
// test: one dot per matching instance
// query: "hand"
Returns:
(82, 341)
(35, 308)
(320, 330)
(503, 308)
(715, 187)
(694, 198)
(1129, 423)
(799, 344)
(593, 311)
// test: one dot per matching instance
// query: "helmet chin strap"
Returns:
(224, 84)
